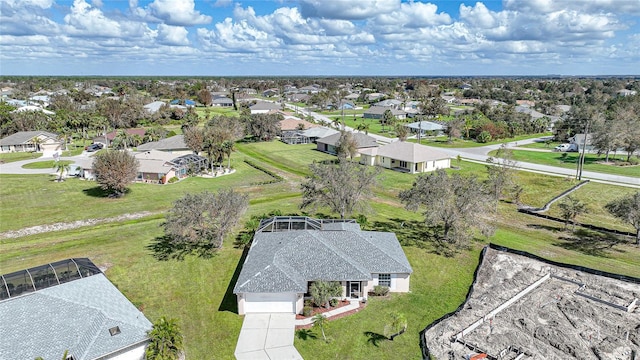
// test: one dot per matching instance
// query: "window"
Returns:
(384, 280)
(403, 164)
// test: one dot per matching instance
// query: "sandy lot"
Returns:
(522, 308)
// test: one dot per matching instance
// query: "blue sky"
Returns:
(319, 37)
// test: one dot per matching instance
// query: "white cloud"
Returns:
(177, 12)
(347, 9)
(172, 35)
(97, 3)
(223, 3)
(412, 15)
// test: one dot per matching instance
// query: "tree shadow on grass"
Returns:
(305, 334)
(98, 192)
(163, 248)
(546, 227)
(229, 301)
(590, 243)
(375, 338)
(415, 233)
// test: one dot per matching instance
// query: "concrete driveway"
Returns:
(267, 336)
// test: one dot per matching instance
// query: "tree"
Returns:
(397, 324)
(342, 187)
(60, 167)
(346, 146)
(627, 209)
(570, 208)
(203, 220)
(456, 204)
(321, 321)
(363, 126)
(114, 170)
(402, 132)
(165, 340)
(453, 129)
(194, 139)
(322, 291)
(501, 171)
(387, 119)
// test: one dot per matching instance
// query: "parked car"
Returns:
(94, 147)
(566, 147)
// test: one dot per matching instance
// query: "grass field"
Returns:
(196, 290)
(18, 156)
(48, 164)
(569, 161)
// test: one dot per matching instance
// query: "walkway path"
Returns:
(266, 336)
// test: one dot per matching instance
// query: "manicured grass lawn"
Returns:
(571, 159)
(216, 110)
(18, 156)
(541, 145)
(294, 159)
(28, 200)
(48, 164)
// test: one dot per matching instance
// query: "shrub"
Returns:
(173, 179)
(306, 311)
(334, 302)
(484, 137)
(380, 290)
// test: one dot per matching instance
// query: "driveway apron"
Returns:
(267, 336)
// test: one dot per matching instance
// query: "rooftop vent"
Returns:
(114, 331)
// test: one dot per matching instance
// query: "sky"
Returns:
(319, 37)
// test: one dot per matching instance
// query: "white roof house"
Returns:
(406, 157)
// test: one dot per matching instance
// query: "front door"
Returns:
(354, 290)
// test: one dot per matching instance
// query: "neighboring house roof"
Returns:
(155, 155)
(379, 110)
(25, 137)
(75, 316)
(352, 97)
(407, 151)
(425, 126)
(33, 108)
(222, 100)
(154, 166)
(319, 132)
(388, 103)
(362, 140)
(185, 102)
(155, 106)
(171, 143)
(291, 123)
(579, 139)
(263, 105)
(285, 261)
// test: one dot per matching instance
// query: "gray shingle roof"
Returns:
(411, 152)
(74, 316)
(171, 143)
(25, 137)
(286, 261)
(362, 140)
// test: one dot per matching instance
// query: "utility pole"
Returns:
(582, 152)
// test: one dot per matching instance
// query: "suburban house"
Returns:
(33, 108)
(425, 128)
(579, 141)
(30, 141)
(263, 107)
(328, 144)
(68, 305)
(389, 103)
(112, 135)
(291, 123)
(222, 102)
(83, 168)
(154, 107)
(406, 157)
(158, 167)
(310, 135)
(289, 253)
(376, 112)
(174, 145)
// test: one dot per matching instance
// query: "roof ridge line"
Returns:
(350, 260)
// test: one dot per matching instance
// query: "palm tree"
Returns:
(37, 141)
(363, 126)
(61, 167)
(228, 147)
(402, 132)
(320, 321)
(165, 340)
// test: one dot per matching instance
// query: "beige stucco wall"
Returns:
(399, 282)
(367, 159)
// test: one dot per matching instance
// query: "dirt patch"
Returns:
(524, 306)
(69, 225)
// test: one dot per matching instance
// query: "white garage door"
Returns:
(267, 302)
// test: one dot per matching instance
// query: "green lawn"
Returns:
(442, 141)
(196, 290)
(18, 156)
(48, 164)
(570, 160)
(293, 159)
